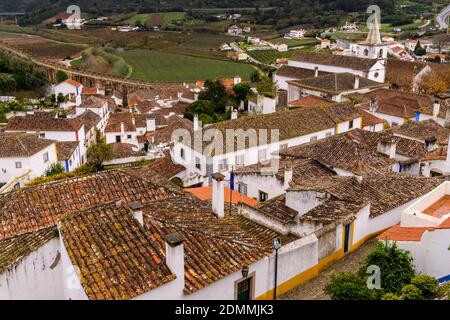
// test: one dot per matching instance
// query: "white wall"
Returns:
(32, 278)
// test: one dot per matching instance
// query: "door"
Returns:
(118, 139)
(244, 289)
(347, 237)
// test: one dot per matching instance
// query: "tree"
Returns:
(138, 23)
(349, 286)
(418, 50)
(241, 91)
(255, 76)
(61, 76)
(216, 93)
(99, 153)
(267, 88)
(411, 292)
(396, 268)
(204, 109)
(390, 296)
(61, 98)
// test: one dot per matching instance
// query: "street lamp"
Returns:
(245, 272)
(276, 242)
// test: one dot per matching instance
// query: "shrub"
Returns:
(411, 292)
(390, 296)
(427, 284)
(61, 76)
(349, 286)
(395, 266)
(55, 168)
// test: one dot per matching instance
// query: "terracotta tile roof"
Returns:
(401, 98)
(341, 151)
(73, 83)
(42, 122)
(278, 210)
(398, 233)
(290, 123)
(205, 193)
(369, 119)
(214, 247)
(65, 149)
(116, 256)
(166, 167)
(423, 130)
(332, 211)
(296, 73)
(439, 208)
(335, 83)
(335, 60)
(402, 72)
(93, 102)
(116, 119)
(21, 144)
(146, 106)
(384, 191)
(309, 101)
(301, 169)
(405, 146)
(13, 250)
(125, 150)
(36, 208)
(89, 91)
(164, 135)
(89, 118)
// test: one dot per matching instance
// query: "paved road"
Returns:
(442, 16)
(313, 289)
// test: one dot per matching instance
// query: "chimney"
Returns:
(387, 147)
(175, 254)
(151, 124)
(447, 118)
(122, 127)
(430, 144)
(196, 122)
(373, 106)
(287, 176)
(136, 209)
(133, 121)
(358, 178)
(436, 108)
(234, 114)
(218, 205)
(356, 85)
(316, 72)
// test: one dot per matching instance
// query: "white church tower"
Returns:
(373, 47)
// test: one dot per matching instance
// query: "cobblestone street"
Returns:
(314, 289)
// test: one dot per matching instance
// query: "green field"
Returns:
(163, 19)
(270, 56)
(295, 42)
(158, 66)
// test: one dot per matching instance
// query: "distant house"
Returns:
(424, 43)
(282, 47)
(247, 29)
(225, 47)
(325, 43)
(254, 40)
(349, 26)
(239, 56)
(296, 34)
(69, 88)
(234, 30)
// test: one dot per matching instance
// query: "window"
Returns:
(242, 188)
(380, 55)
(198, 163)
(328, 134)
(313, 138)
(244, 289)
(18, 165)
(350, 124)
(239, 160)
(223, 164)
(262, 154)
(41, 135)
(45, 157)
(129, 136)
(376, 74)
(118, 139)
(182, 153)
(263, 196)
(366, 52)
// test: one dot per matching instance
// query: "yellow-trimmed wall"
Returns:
(315, 270)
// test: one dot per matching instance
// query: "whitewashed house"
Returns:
(71, 89)
(24, 155)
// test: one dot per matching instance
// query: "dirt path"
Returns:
(313, 289)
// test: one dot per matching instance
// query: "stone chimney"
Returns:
(122, 127)
(175, 254)
(133, 121)
(151, 124)
(316, 72)
(436, 109)
(218, 197)
(288, 172)
(388, 147)
(356, 85)
(196, 122)
(136, 209)
(234, 114)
